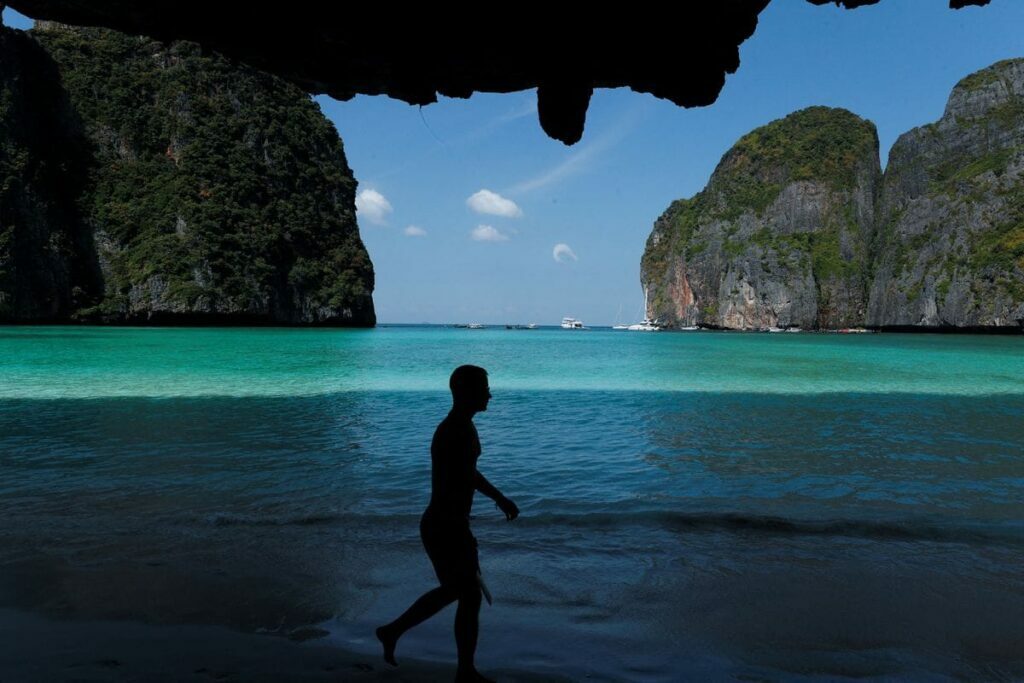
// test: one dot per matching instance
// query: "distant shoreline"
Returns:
(905, 329)
(1004, 330)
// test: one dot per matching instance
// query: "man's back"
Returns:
(453, 455)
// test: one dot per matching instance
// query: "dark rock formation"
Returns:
(208, 193)
(853, 4)
(45, 268)
(795, 229)
(421, 51)
(780, 235)
(951, 216)
(416, 52)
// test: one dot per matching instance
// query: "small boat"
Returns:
(793, 329)
(476, 326)
(618, 325)
(645, 325)
(775, 329)
(690, 328)
(572, 324)
(531, 326)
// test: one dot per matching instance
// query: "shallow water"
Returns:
(705, 505)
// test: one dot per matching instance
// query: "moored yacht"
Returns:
(645, 325)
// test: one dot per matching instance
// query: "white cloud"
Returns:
(415, 231)
(527, 108)
(373, 206)
(562, 253)
(583, 157)
(487, 233)
(493, 204)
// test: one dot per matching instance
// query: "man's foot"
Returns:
(388, 640)
(471, 676)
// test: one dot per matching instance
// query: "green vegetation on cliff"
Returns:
(827, 161)
(1001, 248)
(818, 144)
(44, 269)
(214, 191)
(937, 242)
(951, 233)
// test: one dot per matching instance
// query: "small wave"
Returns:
(352, 520)
(910, 530)
(734, 522)
(234, 519)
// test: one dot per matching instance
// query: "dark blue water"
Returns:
(665, 534)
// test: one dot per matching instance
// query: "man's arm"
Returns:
(504, 504)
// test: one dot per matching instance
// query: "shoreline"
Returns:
(257, 324)
(40, 648)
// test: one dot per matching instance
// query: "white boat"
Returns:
(645, 325)
(775, 329)
(793, 329)
(618, 325)
(572, 324)
(476, 326)
(690, 328)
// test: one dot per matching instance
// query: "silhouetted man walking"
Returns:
(444, 526)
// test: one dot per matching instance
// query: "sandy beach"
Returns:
(36, 648)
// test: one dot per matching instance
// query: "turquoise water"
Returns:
(160, 362)
(695, 505)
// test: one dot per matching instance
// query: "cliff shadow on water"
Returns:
(840, 529)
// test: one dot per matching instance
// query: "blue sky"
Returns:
(444, 251)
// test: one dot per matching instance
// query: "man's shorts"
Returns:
(452, 550)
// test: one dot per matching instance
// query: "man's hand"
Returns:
(508, 507)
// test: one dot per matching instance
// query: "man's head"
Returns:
(469, 387)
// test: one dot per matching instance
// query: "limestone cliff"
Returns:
(796, 228)
(209, 192)
(781, 234)
(45, 270)
(951, 215)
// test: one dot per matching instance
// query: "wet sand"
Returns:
(36, 648)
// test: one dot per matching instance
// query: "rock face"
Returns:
(797, 228)
(781, 234)
(951, 215)
(680, 53)
(44, 266)
(211, 192)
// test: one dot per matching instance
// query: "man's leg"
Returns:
(426, 606)
(467, 629)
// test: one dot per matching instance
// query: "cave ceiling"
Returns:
(417, 52)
